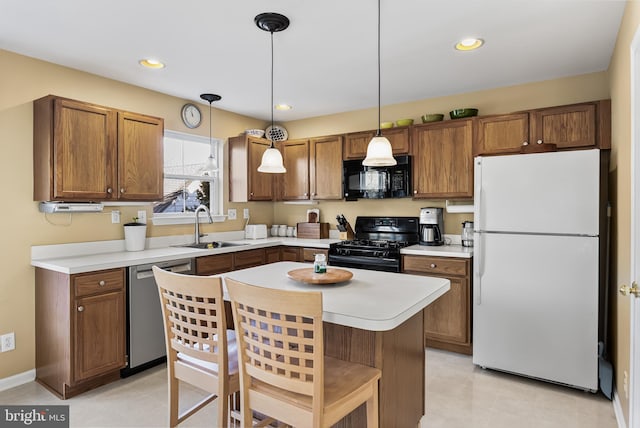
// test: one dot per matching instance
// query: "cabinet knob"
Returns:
(305, 194)
(251, 194)
(101, 283)
(433, 265)
(122, 190)
(539, 141)
(80, 308)
(415, 191)
(109, 190)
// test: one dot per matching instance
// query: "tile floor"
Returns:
(459, 395)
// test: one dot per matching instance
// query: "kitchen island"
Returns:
(376, 319)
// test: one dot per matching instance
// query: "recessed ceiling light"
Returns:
(283, 107)
(151, 63)
(469, 44)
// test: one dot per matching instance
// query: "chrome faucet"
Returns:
(197, 224)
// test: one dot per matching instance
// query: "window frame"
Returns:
(159, 219)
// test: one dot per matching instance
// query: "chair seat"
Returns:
(232, 346)
(341, 378)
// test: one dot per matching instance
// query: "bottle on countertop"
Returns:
(320, 264)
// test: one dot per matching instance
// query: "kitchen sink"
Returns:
(212, 245)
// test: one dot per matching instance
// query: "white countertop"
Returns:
(92, 256)
(371, 300)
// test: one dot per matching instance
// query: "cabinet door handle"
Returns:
(80, 308)
(101, 283)
(433, 265)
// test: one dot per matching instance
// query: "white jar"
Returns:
(282, 230)
(274, 230)
(290, 231)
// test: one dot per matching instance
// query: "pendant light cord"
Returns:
(271, 107)
(378, 133)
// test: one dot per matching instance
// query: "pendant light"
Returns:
(211, 164)
(272, 158)
(379, 152)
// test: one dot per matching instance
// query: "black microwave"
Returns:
(369, 182)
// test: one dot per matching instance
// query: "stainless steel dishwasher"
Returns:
(145, 326)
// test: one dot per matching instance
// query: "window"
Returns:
(192, 176)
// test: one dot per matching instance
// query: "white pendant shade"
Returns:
(272, 162)
(379, 153)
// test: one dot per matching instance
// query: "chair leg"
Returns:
(372, 408)
(173, 402)
(223, 409)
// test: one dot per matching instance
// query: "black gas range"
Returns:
(377, 243)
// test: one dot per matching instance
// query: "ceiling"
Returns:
(325, 62)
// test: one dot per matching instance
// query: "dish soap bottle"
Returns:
(320, 264)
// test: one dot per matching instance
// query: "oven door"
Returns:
(363, 262)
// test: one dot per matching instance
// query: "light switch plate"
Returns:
(142, 216)
(231, 214)
(115, 216)
(245, 213)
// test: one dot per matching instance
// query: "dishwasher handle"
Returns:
(148, 272)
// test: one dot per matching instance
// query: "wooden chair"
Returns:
(284, 373)
(200, 349)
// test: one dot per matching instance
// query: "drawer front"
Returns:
(436, 265)
(98, 282)
(309, 254)
(211, 265)
(249, 258)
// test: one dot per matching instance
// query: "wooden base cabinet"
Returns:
(447, 321)
(80, 329)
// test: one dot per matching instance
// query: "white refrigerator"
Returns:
(536, 265)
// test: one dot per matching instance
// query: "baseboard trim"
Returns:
(17, 380)
(617, 409)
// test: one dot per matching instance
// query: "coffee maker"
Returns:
(431, 226)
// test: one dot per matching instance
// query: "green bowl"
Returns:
(435, 117)
(386, 125)
(404, 122)
(463, 112)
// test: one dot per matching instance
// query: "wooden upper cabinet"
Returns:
(576, 126)
(245, 182)
(295, 182)
(75, 150)
(140, 157)
(325, 173)
(500, 134)
(355, 144)
(443, 160)
(86, 152)
(567, 126)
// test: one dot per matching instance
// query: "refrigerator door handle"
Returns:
(478, 268)
(477, 193)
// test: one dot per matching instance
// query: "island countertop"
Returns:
(370, 300)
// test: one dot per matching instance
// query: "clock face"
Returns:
(191, 115)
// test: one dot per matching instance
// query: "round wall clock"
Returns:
(191, 115)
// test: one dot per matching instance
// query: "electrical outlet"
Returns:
(246, 213)
(8, 342)
(142, 216)
(231, 214)
(115, 216)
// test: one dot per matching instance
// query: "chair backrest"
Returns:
(280, 339)
(194, 317)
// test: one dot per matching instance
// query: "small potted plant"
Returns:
(135, 234)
